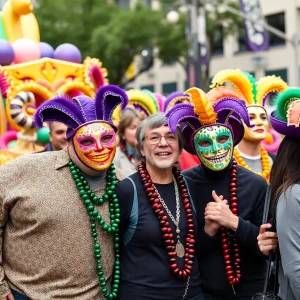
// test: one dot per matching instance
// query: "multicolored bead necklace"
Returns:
(90, 200)
(229, 245)
(153, 197)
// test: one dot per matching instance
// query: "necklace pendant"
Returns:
(179, 249)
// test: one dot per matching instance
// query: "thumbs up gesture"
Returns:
(218, 211)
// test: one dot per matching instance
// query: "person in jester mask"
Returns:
(231, 266)
(250, 153)
(59, 210)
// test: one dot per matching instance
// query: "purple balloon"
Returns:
(68, 52)
(7, 54)
(46, 50)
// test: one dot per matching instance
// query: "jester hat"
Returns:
(286, 118)
(228, 111)
(82, 110)
(255, 93)
(174, 99)
(142, 100)
(160, 101)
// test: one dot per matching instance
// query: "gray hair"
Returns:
(153, 121)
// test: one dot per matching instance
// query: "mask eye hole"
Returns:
(86, 142)
(223, 139)
(204, 143)
(106, 138)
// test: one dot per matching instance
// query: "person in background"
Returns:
(285, 196)
(58, 136)
(125, 158)
(250, 152)
(141, 104)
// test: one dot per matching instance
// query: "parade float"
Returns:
(32, 72)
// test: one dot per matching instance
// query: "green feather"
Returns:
(153, 98)
(283, 100)
(254, 86)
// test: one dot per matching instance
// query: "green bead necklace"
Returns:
(90, 200)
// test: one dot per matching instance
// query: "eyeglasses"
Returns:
(155, 139)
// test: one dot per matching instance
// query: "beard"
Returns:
(164, 164)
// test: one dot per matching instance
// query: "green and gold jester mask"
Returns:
(214, 146)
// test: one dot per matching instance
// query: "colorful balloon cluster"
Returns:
(24, 50)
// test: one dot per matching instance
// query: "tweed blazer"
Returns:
(47, 248)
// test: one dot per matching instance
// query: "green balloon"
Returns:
(3, 35)
(11, 144)
(43, 136)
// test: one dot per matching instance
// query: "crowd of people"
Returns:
(162, 206)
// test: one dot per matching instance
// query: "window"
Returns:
(148, 87)
(277, 21)
(123, 3)
(217, 42)
(280, 72)
(168, 88)
(242, 39)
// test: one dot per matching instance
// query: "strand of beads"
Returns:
(265, 161)
(123, 149)
(165, 225)
(229, 245)
(90, 200)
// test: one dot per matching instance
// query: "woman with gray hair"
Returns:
(158, 232)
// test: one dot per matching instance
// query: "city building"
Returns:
(281, 59)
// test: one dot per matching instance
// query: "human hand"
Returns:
(212, 227)
(220, 212)
(267, 240)
(8, 297)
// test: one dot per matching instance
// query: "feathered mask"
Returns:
(174, 99)
(81, 110)
(254, 92)
(228, 111)
(286, 118)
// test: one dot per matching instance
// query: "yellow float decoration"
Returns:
(26, 85)
(19, 20)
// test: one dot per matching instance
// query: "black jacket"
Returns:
(251, 190)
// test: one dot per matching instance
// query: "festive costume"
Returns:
(230, 264)
(285, 120)
(256, 95)
(146, 104)
(68, 218)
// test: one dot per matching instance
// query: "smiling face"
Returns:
(214, 146)
(160, 147)
(95, 145)
(258, 118)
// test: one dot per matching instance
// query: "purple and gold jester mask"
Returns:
(90, 127)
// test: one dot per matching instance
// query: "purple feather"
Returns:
(172, 96)
(86, 106)
(107, 99)
(59, 109)
(231, 107)
(181, 113)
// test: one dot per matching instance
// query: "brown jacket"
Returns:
(45, 231)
